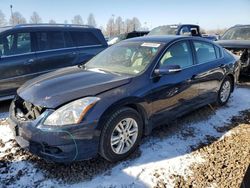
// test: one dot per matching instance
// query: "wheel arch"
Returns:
(231, 76)
(131, 103)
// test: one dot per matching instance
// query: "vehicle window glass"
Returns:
(50, 40)
(164, 30)
(1, 47)
(194, 31)
(178, 54)
(218, 52)
(185, 31)
(56, 40)
(42, 41)
(125, 58)
(204, 51)
(68, 40)
(15, 44)
(85, 38)
(237, 33)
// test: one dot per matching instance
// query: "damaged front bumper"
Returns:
(57, 144)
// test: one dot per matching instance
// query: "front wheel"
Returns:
(225, 91)
(121, 134)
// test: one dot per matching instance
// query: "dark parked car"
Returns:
(29, 50)
(180, 29)
(237, 40)
(120, 95)
(125, 36)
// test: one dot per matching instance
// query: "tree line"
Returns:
(114, 26)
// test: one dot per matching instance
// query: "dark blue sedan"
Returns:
(106, 106)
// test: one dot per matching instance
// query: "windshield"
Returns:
(164, 30)
(125, 58)
(237, 33)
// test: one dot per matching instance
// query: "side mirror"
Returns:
(167, 69)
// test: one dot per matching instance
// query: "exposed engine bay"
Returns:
(244, 58)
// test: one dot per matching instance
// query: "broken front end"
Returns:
(244, 59)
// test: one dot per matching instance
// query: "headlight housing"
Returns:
(71, 113)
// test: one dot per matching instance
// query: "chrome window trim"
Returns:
(201, 63)
(194, 61)
(67, 48)
(27, 53)
(59, 49)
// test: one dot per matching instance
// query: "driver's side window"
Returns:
(178, 54)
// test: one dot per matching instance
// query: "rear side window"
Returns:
(218, 52)
(15, 44)
(205, 52)
(50, 40)
(82, 38)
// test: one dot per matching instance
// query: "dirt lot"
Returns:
(207, 148)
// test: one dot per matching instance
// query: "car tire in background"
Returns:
(225, 91)
(121, 134)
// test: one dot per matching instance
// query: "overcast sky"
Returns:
(210, 14)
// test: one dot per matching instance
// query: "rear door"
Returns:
(17, 57)
(176, 93)
(209, 63)
(55, 49)
(89, 43)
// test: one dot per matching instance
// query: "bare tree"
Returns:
(128, 26)
(136, 24)
(2, 19)
(51, 21)
(91, 20)
(17, 18)
(103, 30)
(77, 20)
(110, 26)
(35, 18)
(119, 25)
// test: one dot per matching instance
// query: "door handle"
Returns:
(29, 61)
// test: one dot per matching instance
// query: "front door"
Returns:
(174, 94)
(55, 49)
(16, 61)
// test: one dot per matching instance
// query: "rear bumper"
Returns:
(62, 145)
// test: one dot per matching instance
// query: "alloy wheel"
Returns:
(124, 136)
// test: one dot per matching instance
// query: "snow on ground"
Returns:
(168, 153)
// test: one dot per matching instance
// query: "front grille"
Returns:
(25, 110)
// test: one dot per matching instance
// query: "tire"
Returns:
(112, 151)
(225, 91)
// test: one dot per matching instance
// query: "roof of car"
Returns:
(49, 26)
(247, 25)
(161, 39)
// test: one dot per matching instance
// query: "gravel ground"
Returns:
(224, 159)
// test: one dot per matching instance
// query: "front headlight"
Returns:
(71, 113)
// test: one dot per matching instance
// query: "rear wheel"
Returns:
(225, 91)
(121, 134)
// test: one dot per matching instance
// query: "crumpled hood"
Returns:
(56, 88)
(234, 43)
